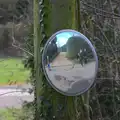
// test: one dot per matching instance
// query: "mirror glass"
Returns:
(69, 62)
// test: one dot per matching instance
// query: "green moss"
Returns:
(63, 15)
(47, 17)
(73, 11)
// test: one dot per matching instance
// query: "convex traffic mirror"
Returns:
(70, 62)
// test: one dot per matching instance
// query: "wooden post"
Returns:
(37, 59)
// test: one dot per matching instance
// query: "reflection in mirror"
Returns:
(70, 62)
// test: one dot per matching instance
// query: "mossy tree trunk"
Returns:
(37, 59)
(63, 14)
(59, 14)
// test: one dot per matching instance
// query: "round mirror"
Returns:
(69, 62)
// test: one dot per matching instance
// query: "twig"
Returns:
(20, 47)
(101, 9)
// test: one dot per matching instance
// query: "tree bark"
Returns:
(37, 60)
(59, 14)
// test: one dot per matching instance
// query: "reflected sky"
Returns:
(62, 38)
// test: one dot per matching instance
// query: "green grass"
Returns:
(6, 115)
(12, 70)
(17, 114)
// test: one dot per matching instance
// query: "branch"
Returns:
(20, 47)
(100, 9)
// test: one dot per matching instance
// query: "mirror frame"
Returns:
(94, 53)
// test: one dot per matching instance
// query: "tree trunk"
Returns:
(58, 14)
(63, 14)
(37, 60)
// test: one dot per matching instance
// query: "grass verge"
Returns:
(12, 71)
(6, 115)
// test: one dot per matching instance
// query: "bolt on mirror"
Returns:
(70, 62)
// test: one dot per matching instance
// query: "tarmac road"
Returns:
(12, 96)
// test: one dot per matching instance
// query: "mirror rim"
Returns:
(94, 54)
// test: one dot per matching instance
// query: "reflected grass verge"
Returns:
(12, 71)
